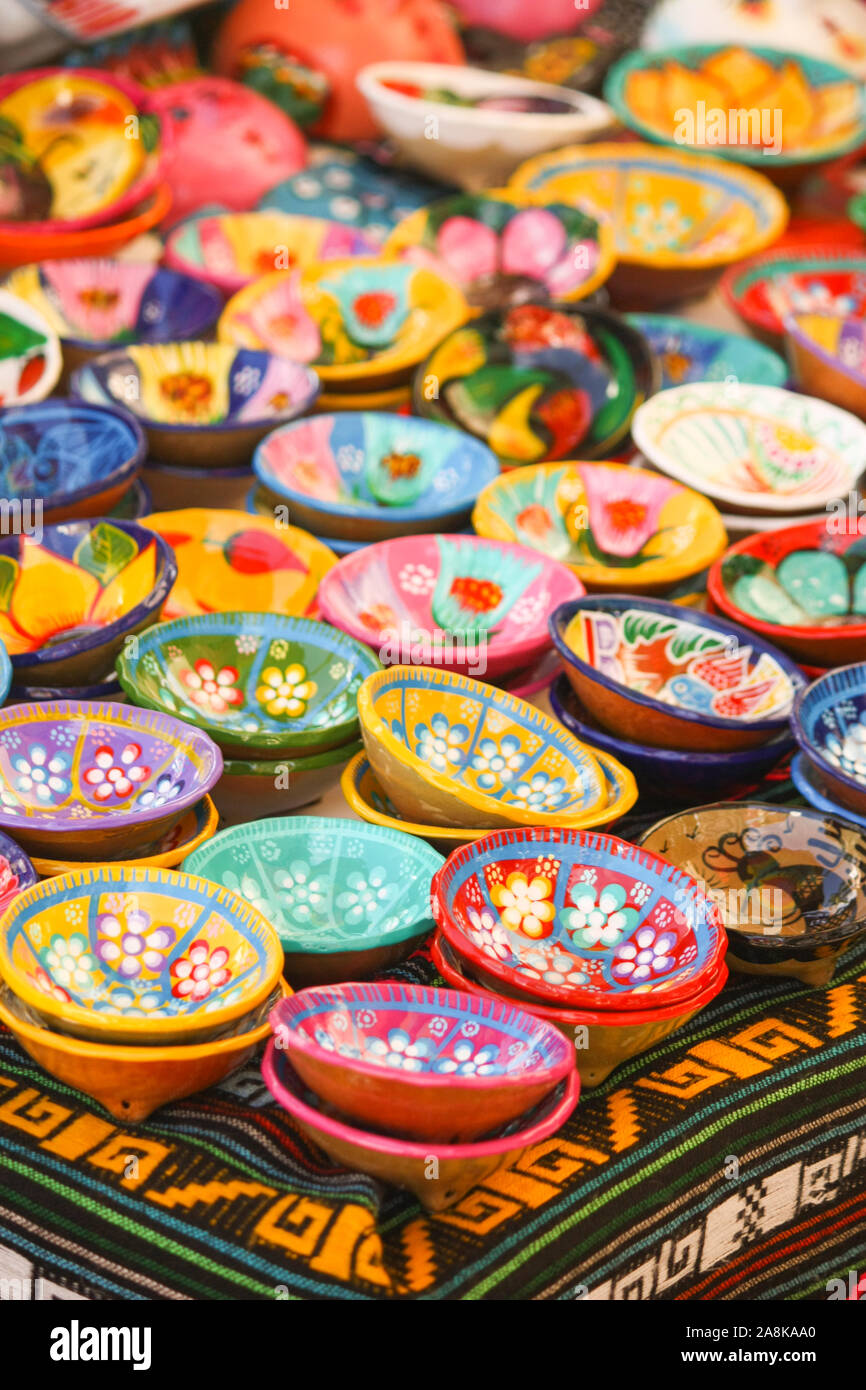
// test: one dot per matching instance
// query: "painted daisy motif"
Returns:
(497, 763)
(441, 745)
(525, 904)
(200, 972)
(599, 918)
(648, 954)
(212, 690)
(41, 774)
(285, 692)
(70, 962)
(130, 943)
(115, 774)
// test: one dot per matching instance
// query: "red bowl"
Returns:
(842, 268)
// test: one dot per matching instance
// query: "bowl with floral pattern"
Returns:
(255, 788)
(200, 404)
(417, 1062)
(828, 358)
(688, 352)
(767, 289)
(30, 358)
(17, 872)
(167, 851)
(829, 724)
(453, 751)
(258, 683)
(71, 594)
(148, 956)
(347, 899)
(369, 476)
(579, 918)
(617, 527)
(673, 677)
(97, 780)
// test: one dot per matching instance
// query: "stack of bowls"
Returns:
(829, 723)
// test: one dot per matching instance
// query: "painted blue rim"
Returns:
(56, 410)
(773, 368)
(5, 673)
(826, 692)
(36, 694)
(198, 319)
(817, 799)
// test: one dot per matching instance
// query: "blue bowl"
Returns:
(687, 352)
(829, 723)
(803, 777)
(16, 872)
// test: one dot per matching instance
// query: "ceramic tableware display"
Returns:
(420, 1063)
(17, 872)
(679, 218)
(30, 358)
(768, 289)
(260, 684)
(204, 403)
(346, 899)
(459, 603)
(790, 885)
(537, 382)
(167, 851)
(833, 30)
(829, 724)
(19, 247)
(806, 778)
(71, 597)
(687, 351)
(617, 527)
(368, 476)
(828, 358)
(254, 788)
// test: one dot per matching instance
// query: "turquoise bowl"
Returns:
(687, 352)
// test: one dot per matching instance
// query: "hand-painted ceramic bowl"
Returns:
(617, 527)
(17, 872)
(679, 775)
(538, 382)
(829, 724)
(251, 789)
(688, 352)
(199, 403)
(803, 587)
(420, 1063)
(174, 489)
(452, 751)
(167, 851)
(363, 321)
(90, 780)
(501, 246)
(343, 186)
(755, 448)
(767, 290)
(459, 603)
(369, 476)
(790, 885)
(485, 123)
(74, 460)
(828, 358)
(346, 899)
(232, 562)
(258, 501)
(258, 683)
(69, 600)
(679, 218)
(673, 677)
(407, 1163)
(232, 249)
(580, 919)
(30, 359)
(806, 779)
(24, 247)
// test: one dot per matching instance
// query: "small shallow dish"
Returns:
(253, 789)
(828, 358)
(688, 351)
(539, 382)
(674, 677)
(617, 527)
(30, 357)
(766, 290)
(806, 779)
(83, 779)
(829, 723)
(195, 826)
(69, 600)
(790, 885)
(452, 751)
(405, 1163)
(230, 562)
(459, 603)
(199, 403)
(368, 476)
(420, 1063)
(259, 684)
(24, 247)
(346, 899)
(579, 919)
(754, 448)
(130, 956)
(803, 587)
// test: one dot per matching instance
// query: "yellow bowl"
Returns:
(194, 829)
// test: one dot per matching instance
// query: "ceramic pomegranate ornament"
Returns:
(335, 38)
(526, 20)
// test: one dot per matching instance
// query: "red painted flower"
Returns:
(210, 689)
(373, 307)
(197, 974)
(115, 776)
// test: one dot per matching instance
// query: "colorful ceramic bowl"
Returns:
(73, 460)
(755, 448)
(806, 779)
(147, 956)
(803, 587)
(768, 289)
(536, 382)
(503, 245)
(17, 872)
(420, 1063)
(369, 476)
(232, 249)
(232, 562)
(174, 489)
(30, 359)
(204, 403)
(671, 774)
(251, 789)
(87, 780)
(679, 218)
(671, 677)
(363, 321)
(829, 724)
(258, 683)
(688, 351)
(195, 826)
(405, 1163)
(70, 599)
(459, 603)
(617, 527)
(828, 358)
(23, 247)
(347, 899)
(258, 501)
(343, 186)
(485, 123)
(452, 751)
(790, 885)
(582, 920)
